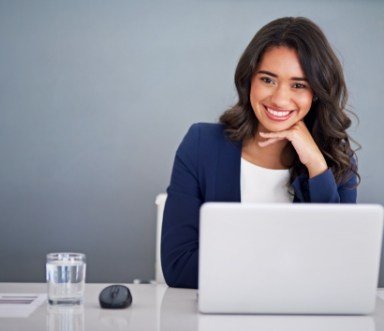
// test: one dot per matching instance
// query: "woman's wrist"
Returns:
(317, 167)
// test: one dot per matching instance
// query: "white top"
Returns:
(262, 185)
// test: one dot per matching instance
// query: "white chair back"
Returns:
(160, 203)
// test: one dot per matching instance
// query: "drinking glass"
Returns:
(65, 278)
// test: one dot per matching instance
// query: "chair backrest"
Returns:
(160, 203)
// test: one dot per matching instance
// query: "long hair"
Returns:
(327, 119)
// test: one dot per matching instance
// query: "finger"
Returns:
(279, 135)
(269, 142)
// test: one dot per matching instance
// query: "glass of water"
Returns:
(65, 278)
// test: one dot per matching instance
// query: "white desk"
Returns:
(157, 307)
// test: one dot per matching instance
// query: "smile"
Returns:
(278, 115)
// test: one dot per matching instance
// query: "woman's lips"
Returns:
(278, 115)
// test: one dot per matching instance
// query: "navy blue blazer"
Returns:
(207, 168)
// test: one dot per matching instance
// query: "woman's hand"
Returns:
(302, 141)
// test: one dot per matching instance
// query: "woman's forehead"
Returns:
(282, 61)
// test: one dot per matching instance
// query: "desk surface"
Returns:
(157, 307)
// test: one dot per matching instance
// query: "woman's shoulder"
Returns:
(208, 138)
(207, 131)
(203, 137)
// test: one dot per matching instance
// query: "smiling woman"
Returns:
(280, 98)
(293, 58)
(285, 140)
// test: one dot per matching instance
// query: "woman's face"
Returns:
(280, 94)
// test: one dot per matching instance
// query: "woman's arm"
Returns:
(323, 189)
(180, 229)
(320, 186)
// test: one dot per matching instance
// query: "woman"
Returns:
(285, 140)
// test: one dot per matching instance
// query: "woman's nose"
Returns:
(281, 97)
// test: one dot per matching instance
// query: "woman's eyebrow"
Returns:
(267, 73)
(276, 76)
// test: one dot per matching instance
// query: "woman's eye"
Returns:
(299, 85)
(267, 80)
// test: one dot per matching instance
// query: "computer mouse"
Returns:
(115, 297)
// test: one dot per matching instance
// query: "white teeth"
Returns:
(278, 113)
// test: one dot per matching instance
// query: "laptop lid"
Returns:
(289, 258)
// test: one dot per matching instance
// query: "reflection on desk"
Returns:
(202, 322)
(65, 318)
(291, 323)
(157, 307)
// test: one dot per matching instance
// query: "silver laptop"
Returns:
(289, 258)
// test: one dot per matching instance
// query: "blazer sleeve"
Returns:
(324, 189)
(179, 237)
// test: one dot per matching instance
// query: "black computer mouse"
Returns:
(115, 297)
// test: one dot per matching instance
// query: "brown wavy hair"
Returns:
(327, 119)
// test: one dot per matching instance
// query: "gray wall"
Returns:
(95, 96)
